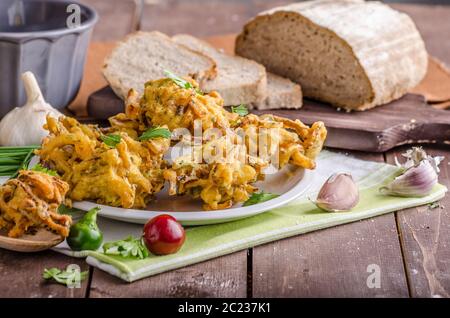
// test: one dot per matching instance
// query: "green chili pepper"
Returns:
(85, 235)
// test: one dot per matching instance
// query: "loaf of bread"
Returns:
(238, 81)
(144, 56)
(349, 53)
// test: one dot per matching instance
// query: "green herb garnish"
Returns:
(128, 248)
(39, 168)
(111, 140)
(155, 132)
(241, 110)
(260, 197)
(178, 80)
(64, 277)
(181, 82)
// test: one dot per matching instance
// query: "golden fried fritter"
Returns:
(218, 185)
(126, 174)
(296, 143)
(166, 103)
(30, 201)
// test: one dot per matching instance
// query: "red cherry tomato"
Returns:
(163, 235)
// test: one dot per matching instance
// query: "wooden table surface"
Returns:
(411, 247)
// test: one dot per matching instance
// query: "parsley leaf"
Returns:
(241, 110)
(39, 168)
(111, 140)
(155, 132)
(128, 248)
(260, 197)
(64, 277)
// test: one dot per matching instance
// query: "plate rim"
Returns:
(208, 216)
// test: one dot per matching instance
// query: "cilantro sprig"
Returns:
(64, 277)
(260, 197)
(155, 132)
(39, 168)
(128, 248)
(111, 140)
(241, 110)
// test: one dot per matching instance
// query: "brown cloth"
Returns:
(435, 87)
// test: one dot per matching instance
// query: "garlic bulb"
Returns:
(418, 179)
(23, 126)
(339, 193)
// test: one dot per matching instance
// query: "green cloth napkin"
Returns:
(209, 241)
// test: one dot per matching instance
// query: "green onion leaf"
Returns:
(260, 197)
(155, 132)
(111, 140)
(241, 110)
(38, 167)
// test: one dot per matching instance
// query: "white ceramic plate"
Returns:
(290, 183)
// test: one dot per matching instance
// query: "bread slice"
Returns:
(281, 93)
(143, 56)
(238, 81)
(350, 53)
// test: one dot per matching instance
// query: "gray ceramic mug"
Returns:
(48, 38)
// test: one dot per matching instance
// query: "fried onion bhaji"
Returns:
(166, 103)
(124, 175)
(219, 181)
(31, 201)
(298, 144)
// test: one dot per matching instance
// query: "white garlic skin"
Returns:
(23, 126)
(417, 181)
(339, 193)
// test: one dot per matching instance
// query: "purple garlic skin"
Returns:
(339, 193)
(416, 181)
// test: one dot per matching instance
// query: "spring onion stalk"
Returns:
(13, 159)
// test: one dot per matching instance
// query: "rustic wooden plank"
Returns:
(225, 276)
(425, 238)
(333, 262)
(21, 275)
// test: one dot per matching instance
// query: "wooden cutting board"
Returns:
(409, 120)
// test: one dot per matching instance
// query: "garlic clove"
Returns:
(338, 193)
(23, 126)
(416, 181)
